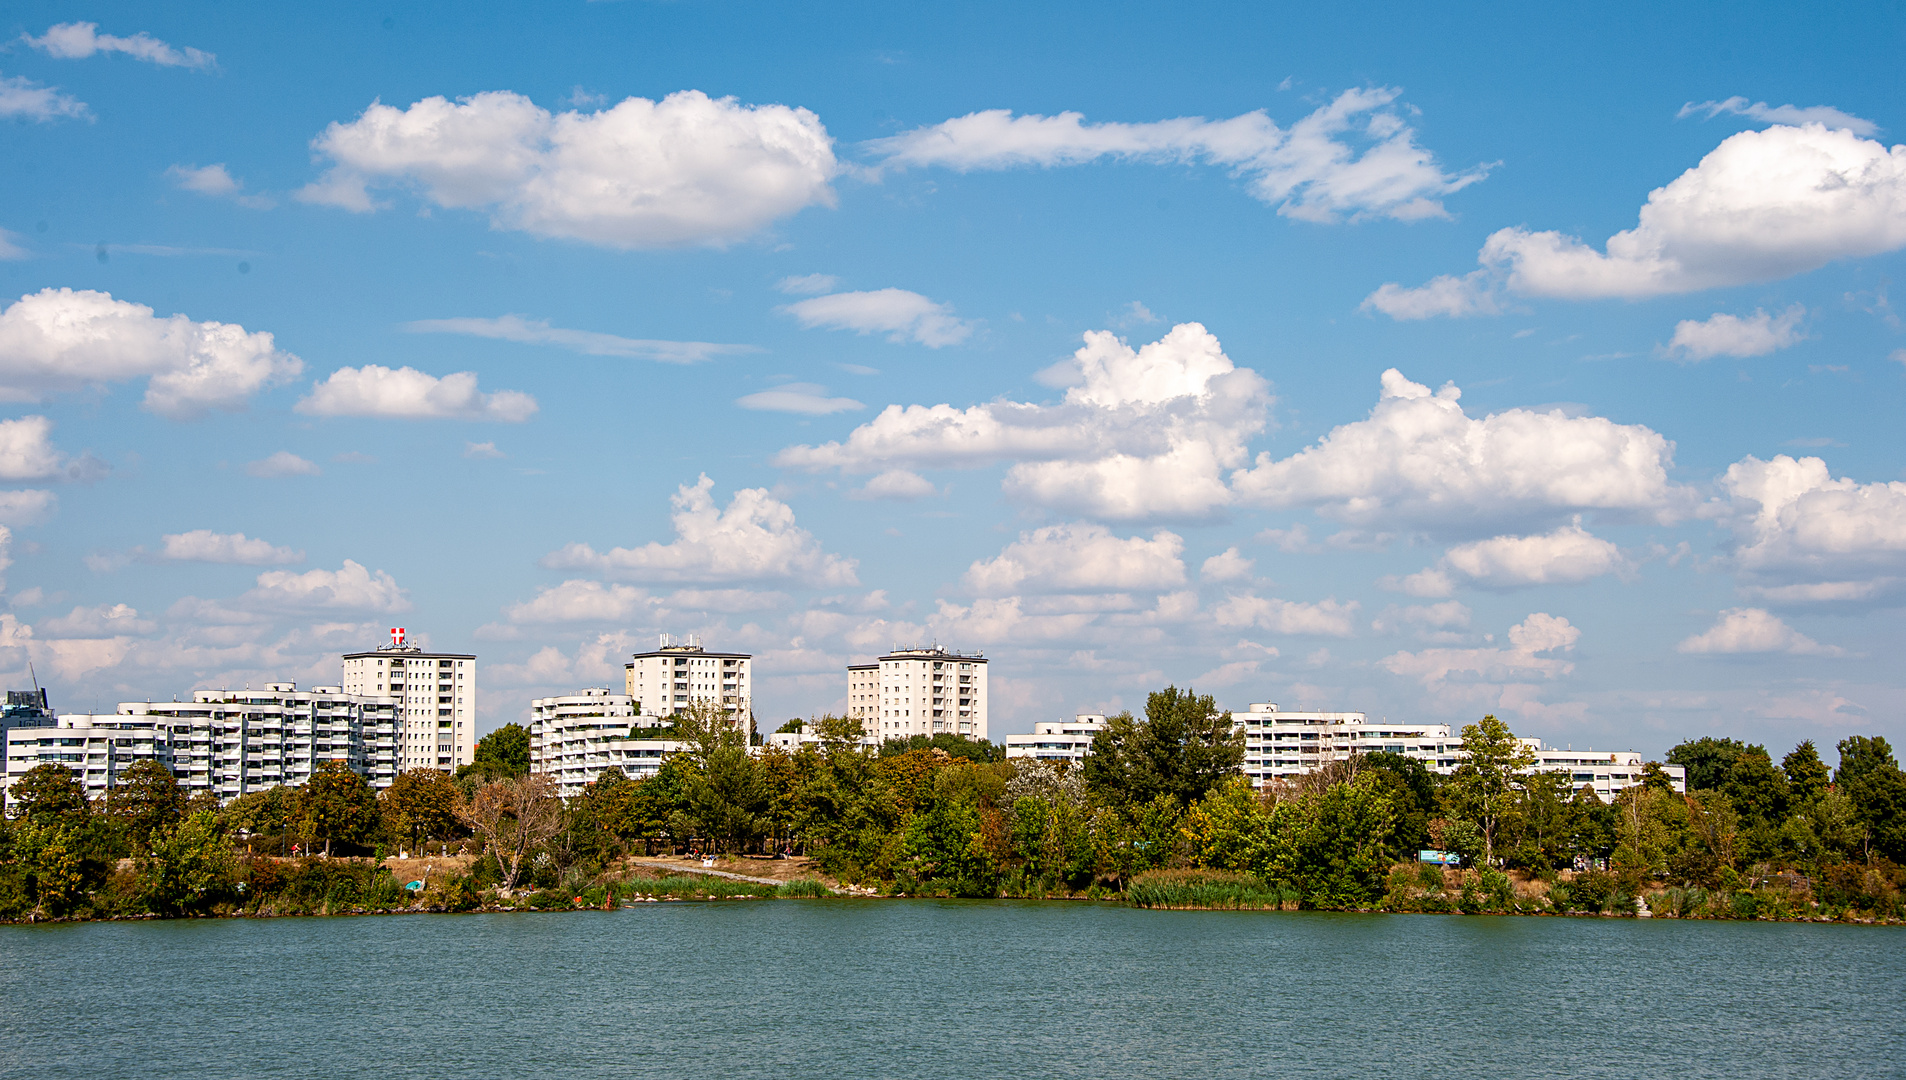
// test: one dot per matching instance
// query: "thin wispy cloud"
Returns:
(587, 342)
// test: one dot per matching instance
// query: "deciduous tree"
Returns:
(146, 800)
(1484, 786)
(1184, 747)
(336, 805)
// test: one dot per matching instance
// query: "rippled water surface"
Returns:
(847, 988)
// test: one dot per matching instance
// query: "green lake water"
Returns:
(983, 990)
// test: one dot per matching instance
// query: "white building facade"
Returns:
(222, 742)
(435, 695)
(1281, 744)
(1058, 740)
(920, 691)
(577, 737)
(673, 676)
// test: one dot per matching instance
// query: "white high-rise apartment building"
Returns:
(665, 681)
(920, 691)
(435, 696)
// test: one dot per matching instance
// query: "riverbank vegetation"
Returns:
(1158, 815)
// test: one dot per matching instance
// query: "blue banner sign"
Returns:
(1440, 858)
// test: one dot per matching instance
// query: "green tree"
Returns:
(1412, 794)
(421, 804)
(729, 798)
(1184, 747)
(1759, 790)
(53, 856)
(1707, 760)
(336, 806)
(146, 800)
(1859, 755)
(1878, 796)
(187, 866)
(49, 792)
(1807, 775)
(501, 754)
(951, 743)
(1484, 787)
(270, 812)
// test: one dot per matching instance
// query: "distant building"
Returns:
(434, 694)
(1058, 740)
(1281, 744)
(577, 737)
(668, 679)
(222, 742)
(920, 691)
(24, 709)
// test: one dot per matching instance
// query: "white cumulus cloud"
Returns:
(754, 539)
(204, 545)
(1143, 433)
(1420, 459)
(65, 339)
(408, 394)
(899, 485)
(581, 600)
(29, 507)
(686, 170)
(1538, 634)
(281, 464)
(1080, 557)
(26, 450)
(104, 620)
(1566, 556)
(1226, 565)
(351, 586)
(587, 342)
(216, 182)
(23, 99)
(1327, 618)
(1800, 535)
(1763, 205)
(1753, 630)
(1731, 335)
(1355, 157)
(79, 40)
(804, 399)
(903, 316)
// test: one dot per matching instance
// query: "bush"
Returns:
(1215, 889)
(1593, 891)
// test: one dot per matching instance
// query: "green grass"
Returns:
(803, 889)
(1208, 889)
(692, 887)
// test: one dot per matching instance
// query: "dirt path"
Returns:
(758, 871)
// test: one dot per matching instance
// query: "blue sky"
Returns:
(1060, 333)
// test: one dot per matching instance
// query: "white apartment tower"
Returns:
(435, 695)
(665, 681)
(919, 691)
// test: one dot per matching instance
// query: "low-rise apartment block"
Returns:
(1281, 744)
(1058, 740)
(222, 742)
(575, 738)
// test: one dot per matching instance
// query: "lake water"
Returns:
(915, 989)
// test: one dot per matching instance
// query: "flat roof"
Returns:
(418, 653)
(691, 652)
